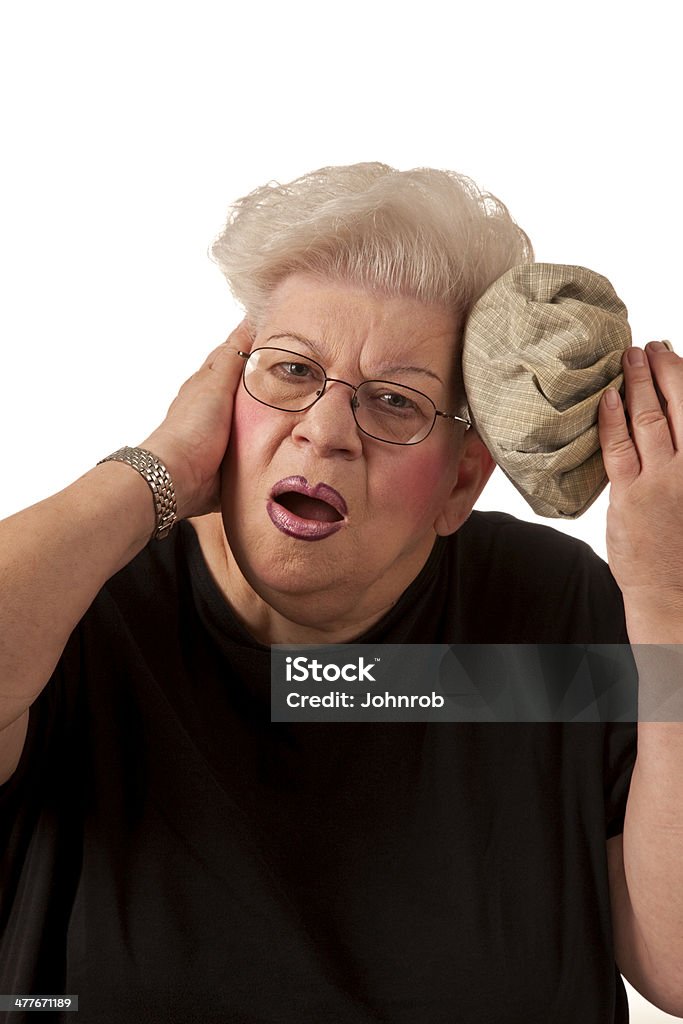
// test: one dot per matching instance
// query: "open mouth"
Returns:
(306, 512)
(304, 507)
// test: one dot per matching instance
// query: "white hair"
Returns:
(430, 234)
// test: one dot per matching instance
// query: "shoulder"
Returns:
(537, 550)
(517, 535)
(547, 586)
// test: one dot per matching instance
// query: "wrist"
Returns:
(179, 467)
(654, 620)
(122, 500)
(159, 481)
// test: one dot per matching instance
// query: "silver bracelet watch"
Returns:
(159, 479)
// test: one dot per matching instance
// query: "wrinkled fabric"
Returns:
(540, 348)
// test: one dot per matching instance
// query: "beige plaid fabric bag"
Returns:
(540, 347)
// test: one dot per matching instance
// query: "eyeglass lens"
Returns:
(290, 382)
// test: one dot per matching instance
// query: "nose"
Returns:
(329, 425)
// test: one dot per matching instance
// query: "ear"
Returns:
(474, 469)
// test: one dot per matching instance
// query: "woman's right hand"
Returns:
(57, 555)
(192, 440)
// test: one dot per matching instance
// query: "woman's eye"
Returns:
(299, 370)
(393, 400)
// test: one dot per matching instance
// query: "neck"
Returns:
(276, 618)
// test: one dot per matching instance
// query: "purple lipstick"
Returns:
(305, 512)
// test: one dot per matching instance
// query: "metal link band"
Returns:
(159, 479)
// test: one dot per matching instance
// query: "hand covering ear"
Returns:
(540, 347)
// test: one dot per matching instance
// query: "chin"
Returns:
(284, 566)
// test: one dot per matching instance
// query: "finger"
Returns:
(219, 374)
(241, 337)
(667, 373)
(221, 377)
(222, 369)
(649, 425)
(618, 450)
(238, 340)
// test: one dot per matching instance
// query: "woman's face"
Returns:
(394, 499)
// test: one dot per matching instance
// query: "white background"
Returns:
(128, 128)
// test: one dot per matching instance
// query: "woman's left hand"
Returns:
(644, 463)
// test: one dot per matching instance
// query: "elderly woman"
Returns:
(168, 852)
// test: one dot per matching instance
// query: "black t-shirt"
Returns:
(170, 855)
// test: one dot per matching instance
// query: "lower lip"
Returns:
(302, 529)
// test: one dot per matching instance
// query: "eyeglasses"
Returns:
(388, 412)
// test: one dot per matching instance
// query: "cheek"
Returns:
(420, 485)
(247, 454)
(254, 435)
(248, 420)
(253, 439)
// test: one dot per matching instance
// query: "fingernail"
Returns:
(611, 398)
(658, 346)
(635, 357)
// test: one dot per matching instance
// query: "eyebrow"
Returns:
(398, 368)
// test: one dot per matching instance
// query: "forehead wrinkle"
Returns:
(396, 368)
(359, 335)
(412, 369)
(325, 358)
(294, 336)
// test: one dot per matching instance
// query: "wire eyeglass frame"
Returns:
(298, 356)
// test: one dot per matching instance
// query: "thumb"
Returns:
(619, 453)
